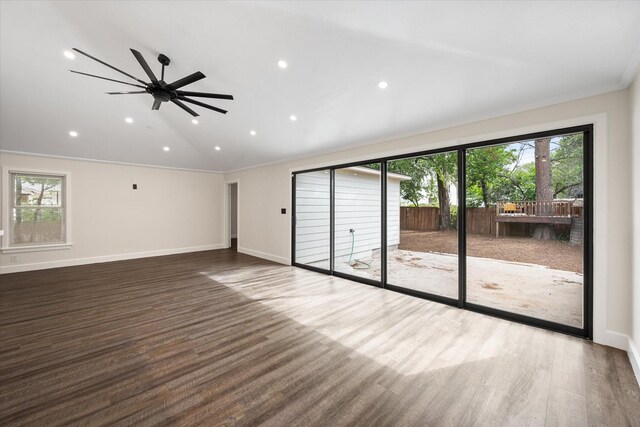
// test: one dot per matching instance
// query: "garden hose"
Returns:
(353, 241)
(356, 262)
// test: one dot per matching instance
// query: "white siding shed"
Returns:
(357, 207)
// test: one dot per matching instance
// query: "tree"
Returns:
(518, 184)
(544, 188)
(410, 190)
(32, 211)
(443, 170)
(485, 167)
(567, 167)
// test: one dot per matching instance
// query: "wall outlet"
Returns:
(14, 258)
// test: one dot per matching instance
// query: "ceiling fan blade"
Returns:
(203, 94)
(110, 66)
(156, 104)
(187, 80)
(202, 104)
(185, 108)
(144, 65)
(126, 93)
(106, 78)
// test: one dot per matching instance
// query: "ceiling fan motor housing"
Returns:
(162, 93)
(163, 59)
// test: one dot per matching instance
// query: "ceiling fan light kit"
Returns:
(159, 89)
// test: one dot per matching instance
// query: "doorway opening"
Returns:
(232, 215)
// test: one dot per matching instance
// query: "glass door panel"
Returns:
(312, 219)
(525, 212)
(422, 238)
(358, 222)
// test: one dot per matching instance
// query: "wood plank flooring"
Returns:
(221, 338)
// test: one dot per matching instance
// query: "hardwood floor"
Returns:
(219, 338)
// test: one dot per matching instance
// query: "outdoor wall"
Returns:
(171, 211)
(357, 207)
(634, 347)
(267, 233)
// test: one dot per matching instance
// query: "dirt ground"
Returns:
(528, 289)
(554, 254)
(541, 279)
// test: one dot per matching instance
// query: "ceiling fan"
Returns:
(159, 89)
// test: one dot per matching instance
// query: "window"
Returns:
(37, 209)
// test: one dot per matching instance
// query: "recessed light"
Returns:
(282, 63)
(73, 133)
(194, 121)
(128, 120)
(293, 118)
(383, 85)
(166, 148)
(217, 148)
(252, 133)
(69, 54)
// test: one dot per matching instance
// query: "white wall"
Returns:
(171, 211)
(634, 344)
(266, 233)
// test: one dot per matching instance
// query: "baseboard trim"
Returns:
(612, 339)
(106, 258)
(634, 358)
(264, 255)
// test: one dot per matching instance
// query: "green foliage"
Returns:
(454, 217)
(410, 190)
(442, 166)
(567, 167)
(496, 173)
(486, 168)
(520, 184)
(40, 215)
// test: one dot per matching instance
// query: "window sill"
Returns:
(36, 248)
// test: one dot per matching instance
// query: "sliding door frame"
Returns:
(587, 130)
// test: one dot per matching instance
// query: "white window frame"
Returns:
(7, 207)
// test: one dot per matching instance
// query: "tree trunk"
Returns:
(444, 203)
(485, 197)
(544, 189)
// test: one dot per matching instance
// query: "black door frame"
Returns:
(461, 302)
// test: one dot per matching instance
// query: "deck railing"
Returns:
(535, 208)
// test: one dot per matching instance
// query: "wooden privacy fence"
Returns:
(479, 221)
(422, 218)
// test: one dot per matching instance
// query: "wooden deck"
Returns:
(534, 212)
(533, 219)
(221, 338)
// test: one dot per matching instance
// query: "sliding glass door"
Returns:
(525, 226)
(312, 219)
(422, 224)
(358, 243)
(501, 227)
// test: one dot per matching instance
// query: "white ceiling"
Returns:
(446, 63)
